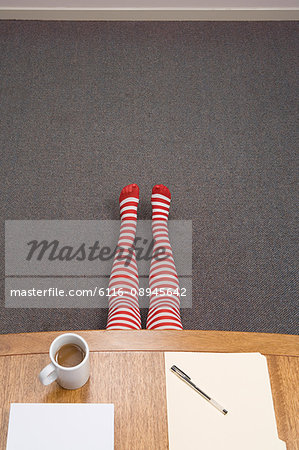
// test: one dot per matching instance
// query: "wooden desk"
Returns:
(128, 370)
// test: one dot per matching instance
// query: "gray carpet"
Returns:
(208, 109)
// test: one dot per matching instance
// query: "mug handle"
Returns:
(48, 374)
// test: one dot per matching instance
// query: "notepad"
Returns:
(240, 383)
(61, 426)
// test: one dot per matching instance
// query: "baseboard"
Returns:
(175, 14)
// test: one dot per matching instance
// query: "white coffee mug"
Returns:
(68, 377)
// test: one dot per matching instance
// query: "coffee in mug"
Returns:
(69, 355)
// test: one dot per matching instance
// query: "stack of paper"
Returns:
(240, 383)
(61, 426)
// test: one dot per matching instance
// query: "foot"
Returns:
(128, 202)
(160, 202)
(161, 189)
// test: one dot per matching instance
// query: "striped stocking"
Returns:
(164, 308)
(124, 310)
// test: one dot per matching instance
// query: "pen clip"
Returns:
(179, 372)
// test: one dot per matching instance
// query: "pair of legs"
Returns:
(164, 307)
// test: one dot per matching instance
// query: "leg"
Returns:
(164, 309)
(124, 312)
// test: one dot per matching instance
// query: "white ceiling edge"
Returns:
(165, 14)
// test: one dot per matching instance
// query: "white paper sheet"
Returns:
(240, 383)
(61, 426)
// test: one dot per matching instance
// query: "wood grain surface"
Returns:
(146, 340)
(128, 370)
(134, 382)
(284, 378)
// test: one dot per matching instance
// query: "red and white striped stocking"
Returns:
(164, 308)
(124, 312)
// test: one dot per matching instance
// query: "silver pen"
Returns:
(187, 380)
